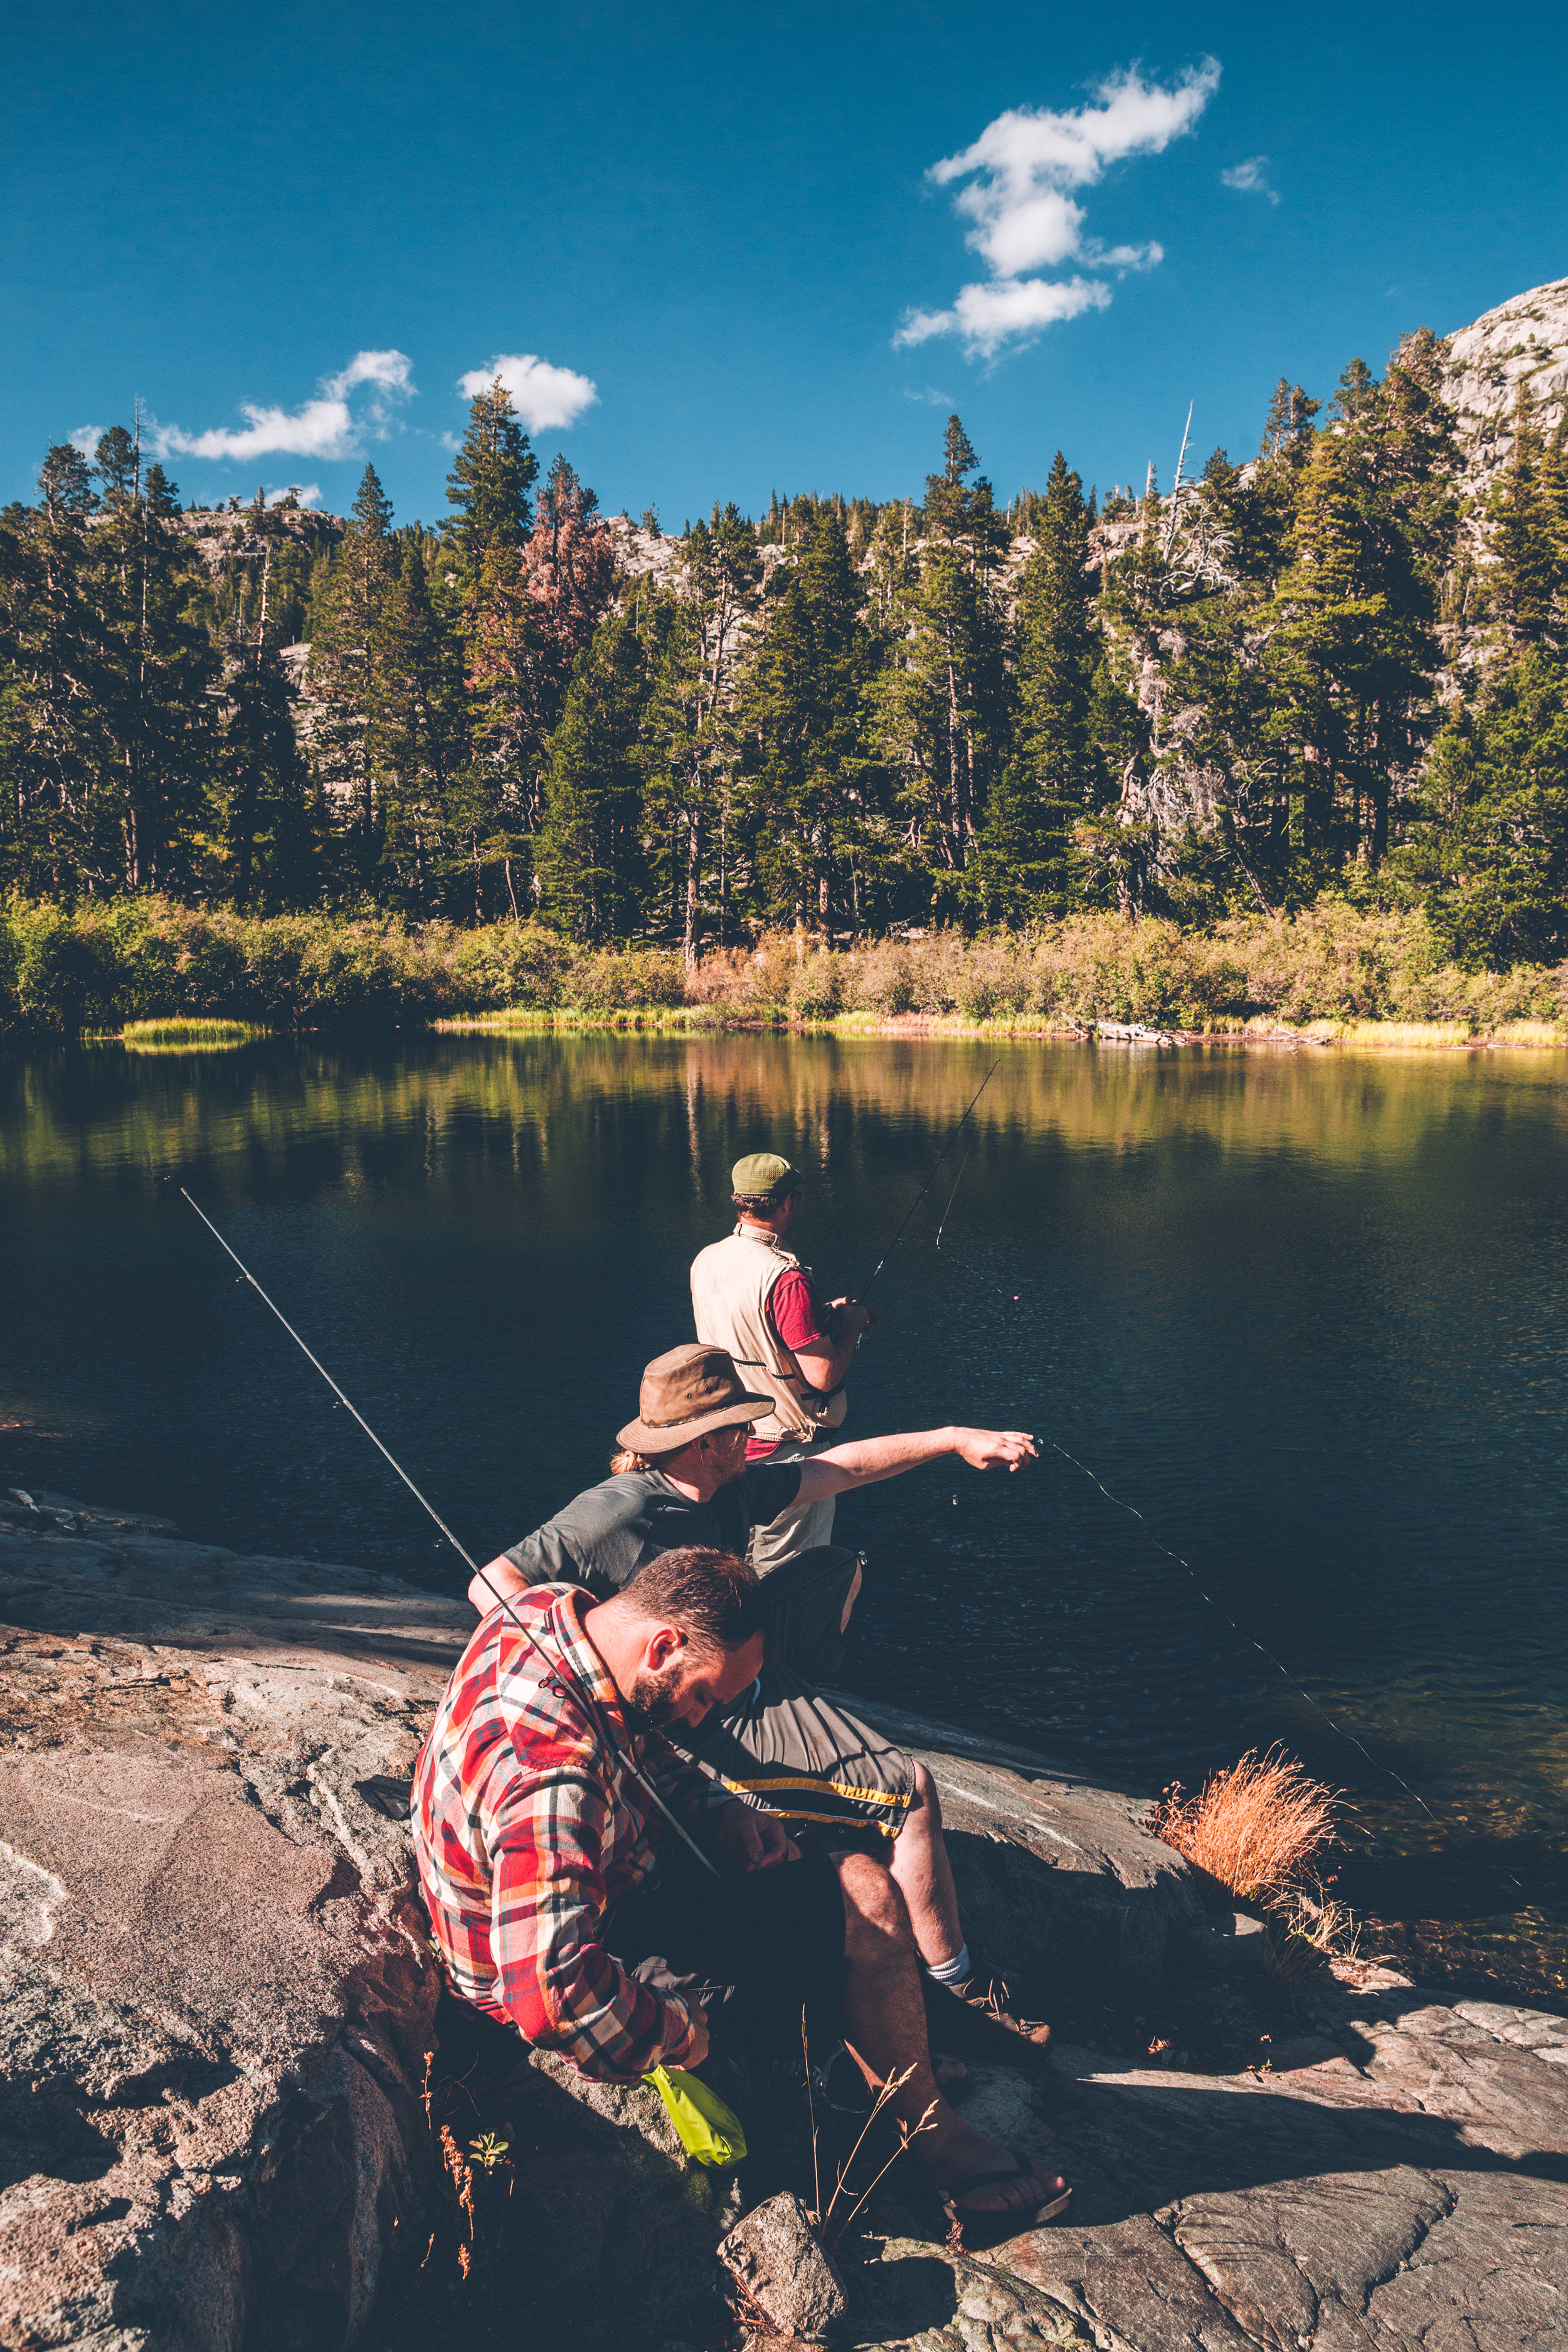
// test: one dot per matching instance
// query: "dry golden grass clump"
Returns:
(1261, 1827)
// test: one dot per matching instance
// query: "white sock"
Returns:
(950, 1972)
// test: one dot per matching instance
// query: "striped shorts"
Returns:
(820, 1769)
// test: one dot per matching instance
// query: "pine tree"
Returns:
(1287, 428)
(504, 632)
(941, 698)
(171, 668)
(60, 748)
(342, 671)
(1355, 393)
(1017, 867)
(569, 569)
(694, 722)
(590, 856)
(1056, 655)
(414, 749)
(270, 835)
(1354, 646)
(1527, 574)
(812, 840)
(157, 661)
(1286, 448)
(489, 485)
(1316, 652)
(1488, 861)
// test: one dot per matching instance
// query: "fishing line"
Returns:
(931, 1180)
(582, 1695)
(1337, 1729)
(953, 1194)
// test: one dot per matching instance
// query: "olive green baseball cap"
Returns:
(761, 1174)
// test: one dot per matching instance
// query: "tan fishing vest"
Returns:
(731, 1281)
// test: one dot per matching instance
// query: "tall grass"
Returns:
(1262, 1827)
(141, 959)
(182, 1034)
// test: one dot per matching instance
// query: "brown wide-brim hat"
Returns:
(686, 1393)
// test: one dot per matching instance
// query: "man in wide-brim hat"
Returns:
(680, 1477)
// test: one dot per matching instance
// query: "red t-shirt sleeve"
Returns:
(796, 1313)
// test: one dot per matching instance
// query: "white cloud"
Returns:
(85, 439)
(988, 315)
(546, 397)
(1020, 173)
(305, 493)
(930, 397)
(1251, 178)
(389, 369)
(322, 429)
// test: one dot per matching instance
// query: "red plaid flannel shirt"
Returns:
(526, 1832)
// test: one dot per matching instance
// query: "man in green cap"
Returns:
(753, 1297)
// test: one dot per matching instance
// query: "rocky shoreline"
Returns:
(218, 2121)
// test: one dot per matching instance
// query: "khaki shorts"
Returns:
(805, 1600)
(819, 1769)
(804, 1524)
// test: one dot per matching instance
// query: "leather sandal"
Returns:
(971, 2232)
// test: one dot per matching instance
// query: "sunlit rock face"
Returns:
(1524, 340)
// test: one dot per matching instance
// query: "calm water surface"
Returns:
(1305, 1311)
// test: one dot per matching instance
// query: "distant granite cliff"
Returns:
(1524, 340)
(224, 537)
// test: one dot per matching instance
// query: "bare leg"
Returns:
(884, 2024)
(924, 1876)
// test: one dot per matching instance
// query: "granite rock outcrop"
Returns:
(217, 2000)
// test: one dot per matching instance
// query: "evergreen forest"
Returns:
(1309, 674)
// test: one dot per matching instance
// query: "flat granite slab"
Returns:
(217, 1984)
(1414, 2202)
(218, 1999)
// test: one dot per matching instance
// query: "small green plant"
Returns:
(141, 1035)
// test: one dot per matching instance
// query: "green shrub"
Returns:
(506, 964)
(146, 958)
(815, 991)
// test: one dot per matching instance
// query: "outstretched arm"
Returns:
(869, 1460)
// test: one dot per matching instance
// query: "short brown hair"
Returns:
(714, 1594)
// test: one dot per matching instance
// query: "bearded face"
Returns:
(655, 1701)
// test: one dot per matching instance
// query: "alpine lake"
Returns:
(1303, 1310)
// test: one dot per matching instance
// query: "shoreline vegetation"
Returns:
(169, 976)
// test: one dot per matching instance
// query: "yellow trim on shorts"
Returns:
(817, 1781)
(836, 1821)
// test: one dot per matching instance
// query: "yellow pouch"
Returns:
(708, 2129)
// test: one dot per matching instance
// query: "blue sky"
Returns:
(304, 226)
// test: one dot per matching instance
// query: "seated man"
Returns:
(549, 1863)
(681, 1477)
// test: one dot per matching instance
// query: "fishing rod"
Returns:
(466, 1557)
(931, 1180)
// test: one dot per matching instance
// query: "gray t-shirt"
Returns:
(608, 1532)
